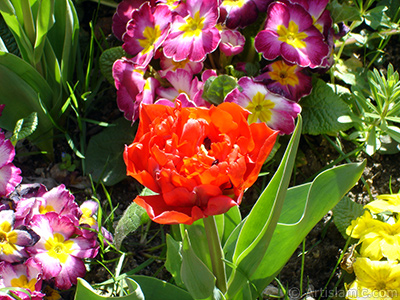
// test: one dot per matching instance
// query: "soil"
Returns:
(323, 245)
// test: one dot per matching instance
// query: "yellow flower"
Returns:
(375, 280)
(362, 225)
(385, 203)
(383, 240)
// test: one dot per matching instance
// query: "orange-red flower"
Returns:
(199, 160)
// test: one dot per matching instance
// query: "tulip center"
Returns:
(260, 108)
(150, 34)
(291, 35)
(284, 74)
(193, 26)
(59, 248)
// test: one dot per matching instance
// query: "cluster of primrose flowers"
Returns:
(174, 47)
(376, 265)
(45, 236)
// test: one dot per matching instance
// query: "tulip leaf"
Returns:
(322, 109)
(345, 212)
(260, 223)
(216, 88)
(156, 289)
(104, 153)
(198, 279)
(231, 219)
(173, 262)
(132, 218)
(304, 207)
(85, 291)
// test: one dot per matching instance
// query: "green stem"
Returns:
(217, 256)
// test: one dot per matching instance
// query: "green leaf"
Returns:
(24, 128)
(344, 212)
(85, 291)
(107, 59)
(377, 17)
(394, 132)
(156, 289)
(231, 219)
(104, 153)
(258, 228)
(44, 21)
(216, 88)
(132, 218)
(321, 110)
(304, 207)
(198, 279)
(343, 12)
(173, 262)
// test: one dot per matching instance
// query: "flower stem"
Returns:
(214, 245)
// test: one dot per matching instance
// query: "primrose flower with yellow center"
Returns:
(146, 32)
(375, 280)
(274, 110)
(289, 32)
(385, 203)
(168, 64)
(27, 276)
(241, 13)
(194, 34)
(14, 240)
(383, 240)
(362, 225)
(61, 249)
(287, 80)
(132, 88)
(58, 200)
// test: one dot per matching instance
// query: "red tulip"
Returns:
(199, 160)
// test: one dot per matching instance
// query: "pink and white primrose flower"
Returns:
(289, 32)
(27, 276)
(14, 240)
(58, 200)
(274, 110)
(168, 64)
(61, 249)
(290, 81)
(194, 34)
(232, 42)
(122, 16)
(9, 174)
(182, 82)
(132, 88)
(241, 13)
(146, 31)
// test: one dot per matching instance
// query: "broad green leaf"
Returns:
(377, 17)
(107, 59)
(231, 219)
(260, 223)
(321, 110)
(343, 12)
(198, 279)
(173, 262)
(24, 127)
(20, 88)
(344, 212)
(156, 289)
(11, 11)
(85, 291)
(216, 88)
(44, 21)
(304, 207)
(372, 143)
(132, 218)
(104, 153)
